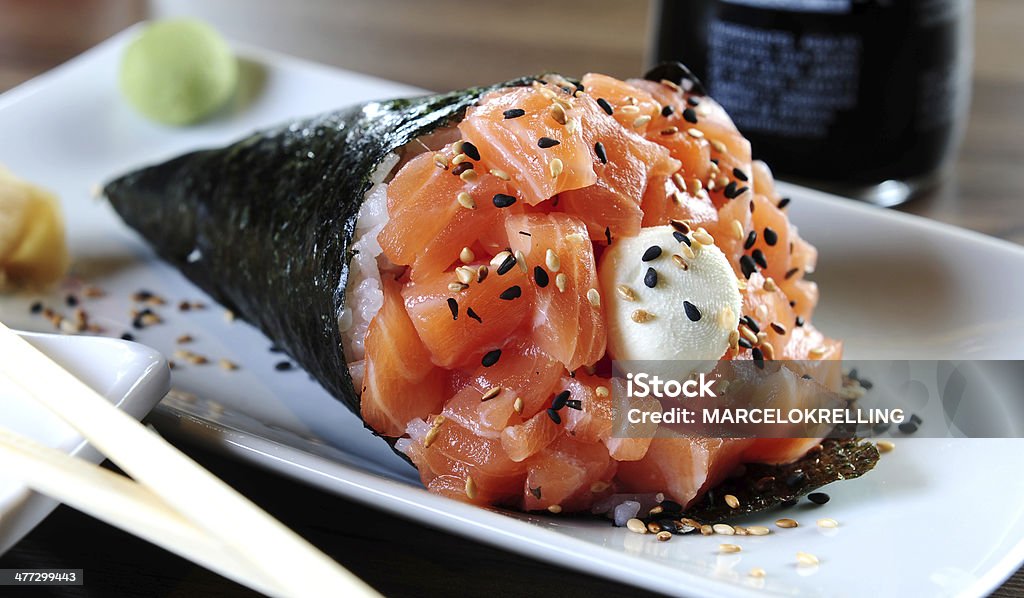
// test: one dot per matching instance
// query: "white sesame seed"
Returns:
(440, 161)
(724, 529)
(227, 364)
(466, 256)
(490, 393)
(558, 113)
(629, 109)
(470, 487)
(521, 261)
(728, 548)
(599, 486)
(679, 261)
(884, 446)
(732, 501)
(556, 509)
(517, 405)
(641, 121)
(806, 559)
(561, 281)
(718, 146)
(499, 259)
(594, 297)
(625, 292)
(758, 530)
(687, 251)
(768, 350)
(786, 523)
(636, 526)
(459, 159)
(455, 287)
(816, 352)
(465, 275)
(602, 391)
(466, 200)
(828, 523)
(552, 261)
(703, 237)
(555, 167)
(695, 133)
(641, 316)
(705, 530)
(664, 536)
(769, 285)
(758, 572)
(468, 176)
(501, 174)
(737, 230)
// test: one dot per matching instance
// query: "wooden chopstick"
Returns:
(122, 503)
(285, 558)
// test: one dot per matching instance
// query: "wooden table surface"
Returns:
(445, 44)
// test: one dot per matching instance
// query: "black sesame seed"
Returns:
(747, 266)
(652, 253)
(667, 111)
(283, 366)
(806, 377)
(783, 202)
(36, 307)
(276, 349)
(142, 295)
(453, 305)
(791, 273)
(770, 236)
(671, 506)
(744, 343)
(546, 142)
(502, 200)
(508, 264)
(490, 358)
(867, 384)
(758, 356)
(603, 103)
(71, 300)
(651, 278)
(559, 401)
(915, 419)
(693, 101)
(778, 328)
(796, 479)
(789, 502)
(743, 190)
(691, 311)
(714, 161)
(730, 190)
(739, 174)
(576, 404)
(472, 314)
(540, 276)
(799, 321)
(908, 427)
(470, 150)
(462, 167)
(678, 236)
(751, 324)
(751, 239)
(513, 113)
(513, 292)
(554, 416)
(608, 234)
(601, 155)
(759, 258)
(525, 234)
(128, 336)
(818, 498)
(690, 115)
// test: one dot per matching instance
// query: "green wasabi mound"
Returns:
(178, 72)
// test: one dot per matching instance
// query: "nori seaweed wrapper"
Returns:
(265, 226)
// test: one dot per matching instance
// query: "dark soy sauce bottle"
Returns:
(864, 97)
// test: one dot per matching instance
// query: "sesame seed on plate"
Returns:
(728, 548)
(758, 530)
(723, 529)
(786, 523)
(806, 559)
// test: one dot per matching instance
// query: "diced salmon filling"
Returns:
(489, 351)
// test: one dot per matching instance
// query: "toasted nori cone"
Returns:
(265, 225)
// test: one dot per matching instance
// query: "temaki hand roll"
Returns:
(460, 269)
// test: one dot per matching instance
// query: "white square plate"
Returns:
(892, 286)
(131, 376)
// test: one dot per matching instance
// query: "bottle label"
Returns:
(774, 81)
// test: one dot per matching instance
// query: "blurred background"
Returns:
(445, 44)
